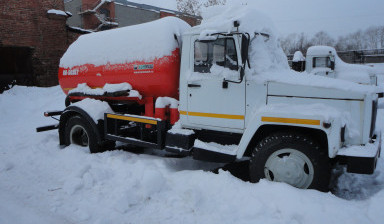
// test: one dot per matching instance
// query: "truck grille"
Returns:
(373, 121)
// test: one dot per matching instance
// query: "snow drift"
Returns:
(42, 183)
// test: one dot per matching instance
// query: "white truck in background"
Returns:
(324, 61)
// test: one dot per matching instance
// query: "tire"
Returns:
(78, 131)
(291, 158)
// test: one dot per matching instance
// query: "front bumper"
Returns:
(361, 159)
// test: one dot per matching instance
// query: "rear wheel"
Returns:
(78, 131)
(79, 136)
(291, 158)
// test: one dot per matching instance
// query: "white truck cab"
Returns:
(290, 131)
(321, 63)
(324, 61)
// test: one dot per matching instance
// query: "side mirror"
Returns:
(244, 49)
(333, 65)
(242, 73)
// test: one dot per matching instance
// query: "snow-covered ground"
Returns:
(42, 183)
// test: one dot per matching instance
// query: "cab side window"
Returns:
(221, 52)
(321, 62)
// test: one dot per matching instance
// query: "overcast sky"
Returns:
(337, 17)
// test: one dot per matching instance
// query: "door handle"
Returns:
(194, 85)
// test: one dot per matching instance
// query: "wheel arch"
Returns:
(77, 111)
(265, 130)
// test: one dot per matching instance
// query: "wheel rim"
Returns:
(79, 136)
(289, 166)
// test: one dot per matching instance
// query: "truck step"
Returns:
(211, 156)
(179, 143)
(147, 131)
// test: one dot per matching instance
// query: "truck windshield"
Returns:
(221, 52)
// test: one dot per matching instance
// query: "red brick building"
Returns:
(33, 38)
(32, 41)
(99, 15)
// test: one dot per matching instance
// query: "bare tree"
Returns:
(342, 44)
(381, 37)
(372, 35)
(295, 42)
(356, 41)
(322, 38)
(288, 43)
(192, 7)
(303, 43)
(214, 2)
(371, 38)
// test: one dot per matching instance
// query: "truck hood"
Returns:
(300, 91)
(291, 83)
(355, 73)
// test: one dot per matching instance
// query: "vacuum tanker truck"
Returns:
(214, 92)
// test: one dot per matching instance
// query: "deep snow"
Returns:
(42, 183)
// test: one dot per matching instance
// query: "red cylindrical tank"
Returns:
(152, 79)
(147, 56)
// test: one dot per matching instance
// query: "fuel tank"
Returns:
(147, 56)
(159, 77)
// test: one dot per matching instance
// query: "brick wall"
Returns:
(27, 24)
(192, 21)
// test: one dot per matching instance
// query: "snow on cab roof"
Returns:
(321, 50)
(221, 19)
(265, 52)
(143, 42)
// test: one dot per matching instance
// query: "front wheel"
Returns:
(291, 158)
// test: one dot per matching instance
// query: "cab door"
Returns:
(214, 101)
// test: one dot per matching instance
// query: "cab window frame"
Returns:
(207, 58)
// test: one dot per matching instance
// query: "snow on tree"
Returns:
(189, 6)
(214, 2)
(194, 7)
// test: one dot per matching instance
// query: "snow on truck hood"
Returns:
(304, 79)
(143, 42)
